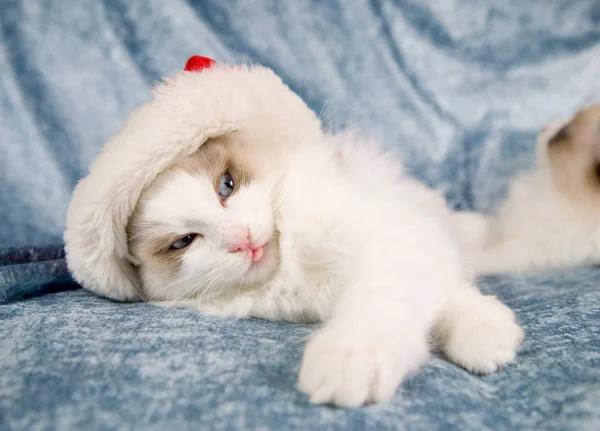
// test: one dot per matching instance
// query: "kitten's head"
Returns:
(571, 151)
(155, 178)
(206, 227)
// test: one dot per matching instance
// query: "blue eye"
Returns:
(226, 186)
(183, 242)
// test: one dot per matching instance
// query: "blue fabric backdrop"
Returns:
(460, 87)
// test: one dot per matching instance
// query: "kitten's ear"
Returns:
(551, 132)
(596, 143)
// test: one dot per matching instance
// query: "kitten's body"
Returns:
(351, 242)
(551, 216)
(223, 193)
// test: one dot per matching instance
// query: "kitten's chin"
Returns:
(262, 269)
(246, 274)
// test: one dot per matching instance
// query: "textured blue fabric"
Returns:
(459, 87)
(71, 360)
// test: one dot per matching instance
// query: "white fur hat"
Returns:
(203, 101)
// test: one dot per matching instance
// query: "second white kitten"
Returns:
(551, 216)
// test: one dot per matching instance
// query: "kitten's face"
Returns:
(206, 227)
(572, 150)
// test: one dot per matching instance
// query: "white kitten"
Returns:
(551, 217)
(333, 232)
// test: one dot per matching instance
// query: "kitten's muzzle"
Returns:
(257, 251)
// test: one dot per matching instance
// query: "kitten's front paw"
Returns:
(484, 337)
(349, 369)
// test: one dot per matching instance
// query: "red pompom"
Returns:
(196, 63)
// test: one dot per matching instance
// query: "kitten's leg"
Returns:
(474, 229)
(378, 332)
(485, 249)
(507, 256)
(366, 350)
(478, 332)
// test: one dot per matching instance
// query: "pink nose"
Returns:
(244, 244)
(240, 246)
(241, 243)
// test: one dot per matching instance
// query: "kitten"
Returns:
(551, 217)
(329, 231)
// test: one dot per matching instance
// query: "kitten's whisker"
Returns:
(193, 289)
(277, 196)
(160, 291)
(323, 111)
(174, 282)
(331, 127)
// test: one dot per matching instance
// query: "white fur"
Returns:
(186, 204)
(362, 248)
(537, 227)
(368, 251)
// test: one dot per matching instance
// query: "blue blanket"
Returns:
(458, 87)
